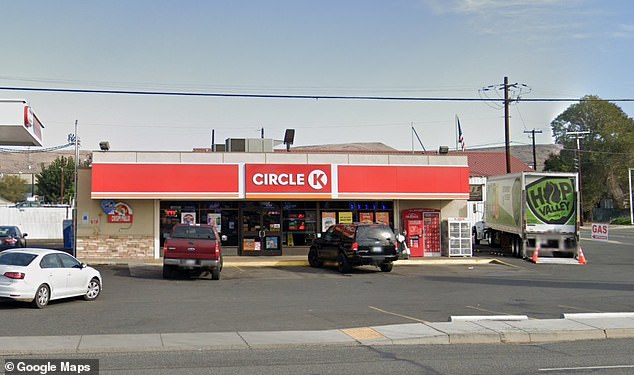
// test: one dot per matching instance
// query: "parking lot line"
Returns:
(399, 315)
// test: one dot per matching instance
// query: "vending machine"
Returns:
(423, 231)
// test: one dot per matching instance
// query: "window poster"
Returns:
(188, 218)
(366, 217)
(345, 217)
(328, 219)
(383, 217)
(272, 243)
(215, 220)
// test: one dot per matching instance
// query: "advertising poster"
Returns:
(383, 217)
(248, 244)
(188, 218)
(215, 220)
(366, 217)
(327, 219)
(345, 217)
(272, 243)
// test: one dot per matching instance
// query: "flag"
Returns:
(460, 136)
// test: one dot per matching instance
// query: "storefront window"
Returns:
(345, 212)
(299, 226)
(293, 223)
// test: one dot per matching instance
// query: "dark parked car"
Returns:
(355, 244)
(11, 237)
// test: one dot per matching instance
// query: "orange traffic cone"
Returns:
(582, 259)
(535, 258)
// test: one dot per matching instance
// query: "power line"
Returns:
(313, 97)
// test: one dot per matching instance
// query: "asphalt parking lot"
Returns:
(136, 299)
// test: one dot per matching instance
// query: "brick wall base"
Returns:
(115, 247)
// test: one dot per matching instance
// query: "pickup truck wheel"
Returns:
(215, 273)
(168, 272)
(342, 263)
(313, 258)
(386, 267)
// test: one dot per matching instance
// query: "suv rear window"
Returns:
(16, 259)
(381, 234)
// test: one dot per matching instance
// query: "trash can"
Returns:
(69, 235)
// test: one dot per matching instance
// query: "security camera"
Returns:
(104, 145)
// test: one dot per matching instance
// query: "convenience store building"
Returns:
(266, 203)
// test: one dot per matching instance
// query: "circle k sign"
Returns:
(288, 178)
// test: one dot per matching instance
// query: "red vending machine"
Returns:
(423, 231)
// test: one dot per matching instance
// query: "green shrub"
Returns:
(621, 221)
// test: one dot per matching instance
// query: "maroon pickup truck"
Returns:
(192, 248)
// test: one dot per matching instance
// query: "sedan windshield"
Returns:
(16, 259)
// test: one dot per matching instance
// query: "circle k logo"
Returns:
(317, 179)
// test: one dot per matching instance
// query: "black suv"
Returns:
(355, 245)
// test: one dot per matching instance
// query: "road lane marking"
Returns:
(401, 315)
(585, 368)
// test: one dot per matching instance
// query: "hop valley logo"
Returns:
(552, 199)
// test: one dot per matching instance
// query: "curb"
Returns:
(304, 263)
(482, 331)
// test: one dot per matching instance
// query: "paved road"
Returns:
(605, 357)
(137, 300)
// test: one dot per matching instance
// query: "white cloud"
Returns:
(624, 31)
(531, 20)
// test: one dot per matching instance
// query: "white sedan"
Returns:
(41, 275)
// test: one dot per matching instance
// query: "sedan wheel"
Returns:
(94, 289)
(42, 296)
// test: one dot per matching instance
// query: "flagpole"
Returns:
(455, 126)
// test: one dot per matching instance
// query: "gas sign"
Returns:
(599, 232)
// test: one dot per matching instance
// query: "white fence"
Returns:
(45, 223)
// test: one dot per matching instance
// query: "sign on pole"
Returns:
(600, 232)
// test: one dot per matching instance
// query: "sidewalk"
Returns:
(459, 330)
(301, 261)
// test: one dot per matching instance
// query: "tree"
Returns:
(56, 181)
(12, 188)
(605, 153)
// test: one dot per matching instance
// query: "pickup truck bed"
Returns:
(192, 248)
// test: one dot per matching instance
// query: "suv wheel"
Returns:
(313, 258)
(386, 267)
(342, 263)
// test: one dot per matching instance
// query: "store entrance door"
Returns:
(261, 229)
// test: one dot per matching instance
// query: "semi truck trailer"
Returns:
(530, 210)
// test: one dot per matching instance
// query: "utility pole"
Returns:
(534, 155)
(507, 139)
(75, 220)
(517, 90)
(579, 135)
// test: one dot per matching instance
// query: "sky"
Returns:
(416, 49)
